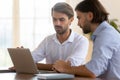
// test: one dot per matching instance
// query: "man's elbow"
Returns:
(92, 75)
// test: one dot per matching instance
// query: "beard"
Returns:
(60, 30)
(86, 27)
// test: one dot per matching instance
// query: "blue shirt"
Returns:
(105, 62)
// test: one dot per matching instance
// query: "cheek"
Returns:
(80, 22)
(66, 23)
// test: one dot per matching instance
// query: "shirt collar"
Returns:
(99, 29)
(70, 38)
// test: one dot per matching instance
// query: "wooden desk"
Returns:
(15, 76)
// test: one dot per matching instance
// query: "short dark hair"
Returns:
(94, 6)
(63, 7)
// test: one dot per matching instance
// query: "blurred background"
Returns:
(27, 22)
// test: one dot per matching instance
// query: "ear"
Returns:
(71, 19)
(90, 16)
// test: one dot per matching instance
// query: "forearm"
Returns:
(41, 66)
(80, 71)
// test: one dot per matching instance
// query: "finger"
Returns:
(55, 70)
(12, 68)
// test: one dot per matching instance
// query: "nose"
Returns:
(57, 22)
(78, 23)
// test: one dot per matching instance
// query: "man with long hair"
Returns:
(105, 62)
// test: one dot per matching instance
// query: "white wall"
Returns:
(113, 7)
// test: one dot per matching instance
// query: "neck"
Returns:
(64, 36)
(94, 26)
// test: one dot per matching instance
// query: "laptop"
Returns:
(23, 61)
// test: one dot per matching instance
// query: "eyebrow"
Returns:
(62, 18)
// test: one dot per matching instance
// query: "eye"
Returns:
(61, 19)
(78, 18)
(54, 19)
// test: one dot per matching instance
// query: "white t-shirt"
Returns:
(74, 49)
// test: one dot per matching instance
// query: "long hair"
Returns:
(94, 6)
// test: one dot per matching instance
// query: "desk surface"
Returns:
(15, 76)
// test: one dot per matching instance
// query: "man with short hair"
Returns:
(64, 44)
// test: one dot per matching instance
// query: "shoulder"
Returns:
(80, 37)
(50, 36)
(108, 36)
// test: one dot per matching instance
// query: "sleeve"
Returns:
(39, 53)
(79, 52)
(100, 59)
